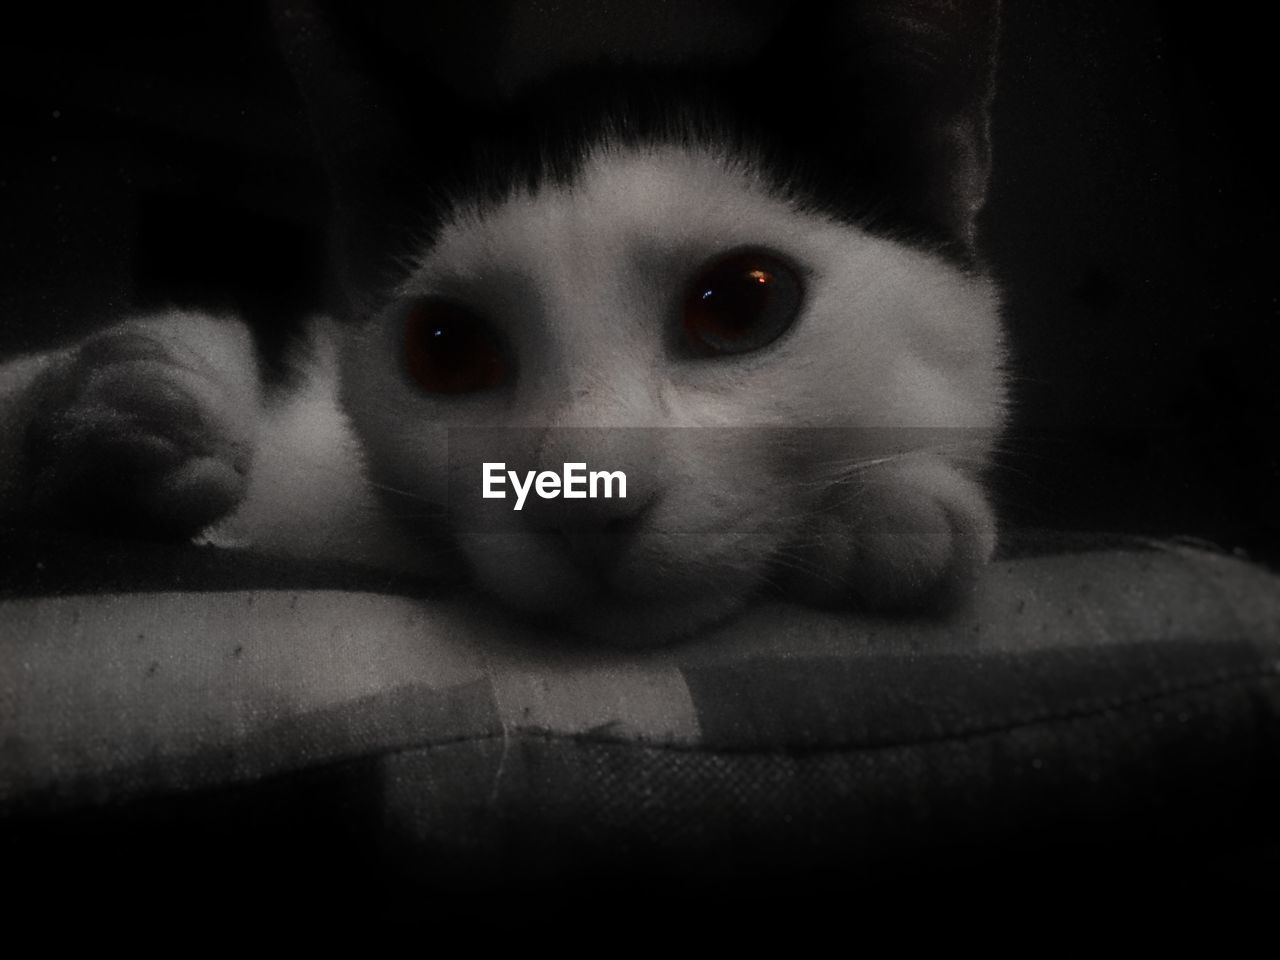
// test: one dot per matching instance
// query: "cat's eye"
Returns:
(449, 349)
(740, 302)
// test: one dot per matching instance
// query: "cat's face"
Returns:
(575, 317)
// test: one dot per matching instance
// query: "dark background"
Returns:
(156, 155)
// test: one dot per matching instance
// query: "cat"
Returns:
(792, 354)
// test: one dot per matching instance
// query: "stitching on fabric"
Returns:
(1096, 709)
(1269, 675)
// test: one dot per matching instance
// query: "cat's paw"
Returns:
(914, 536)
(136, 432)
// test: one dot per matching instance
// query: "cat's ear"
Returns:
(905, 88)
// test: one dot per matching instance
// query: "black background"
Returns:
(157, 155)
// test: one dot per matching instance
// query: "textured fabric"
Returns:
(1114, 700)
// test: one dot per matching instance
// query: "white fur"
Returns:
(585, 284)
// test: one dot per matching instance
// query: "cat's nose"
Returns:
(594, 535)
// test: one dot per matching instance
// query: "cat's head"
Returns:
(672, 315)
(785, 347)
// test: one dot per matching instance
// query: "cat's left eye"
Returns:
(449, 349)
(740, 302)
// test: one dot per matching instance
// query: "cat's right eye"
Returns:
(741, 302)
(449, 349)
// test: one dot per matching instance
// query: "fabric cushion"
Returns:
(1117, 706)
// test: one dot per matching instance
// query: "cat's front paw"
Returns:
(135, 432)
(913, 536)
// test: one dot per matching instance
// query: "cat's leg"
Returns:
(913, 533)
(148, 427)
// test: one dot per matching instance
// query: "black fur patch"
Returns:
(874, 111)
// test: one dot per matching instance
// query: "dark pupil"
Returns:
(732, 304)
(740, 304)
(449, 351)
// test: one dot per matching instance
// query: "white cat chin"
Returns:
(648, 600)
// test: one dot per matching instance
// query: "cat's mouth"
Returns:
(659, 589)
